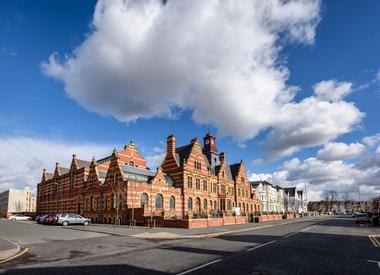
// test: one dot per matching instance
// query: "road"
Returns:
(332, 245)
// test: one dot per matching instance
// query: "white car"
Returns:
(19, 217)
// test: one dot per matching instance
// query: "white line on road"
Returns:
(261, 245)
(199, 267)
(307, 228)
(287, 236)
(372, 261)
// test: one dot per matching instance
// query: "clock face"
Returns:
(207, 141)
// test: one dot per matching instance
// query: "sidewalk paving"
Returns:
(178, 233)
(8, 249)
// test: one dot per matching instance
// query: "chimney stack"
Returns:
(170, 145)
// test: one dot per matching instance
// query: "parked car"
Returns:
(40, 218)
(48, 219)
(71, 218)
(19, 217)
(362, 218)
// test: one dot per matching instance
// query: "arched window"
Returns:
(205, 204)
(190, 203)
(211, 205)
(215, 205)
(172, 202)
(131, 163)
(144, 199)
(159, 201)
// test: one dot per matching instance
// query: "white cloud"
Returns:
(259, 177)
(330, 90)
(371, 141)
(22, 159)
(154, 161)
(362, 175)
(219, 59)
(340, 151)
(309, 123)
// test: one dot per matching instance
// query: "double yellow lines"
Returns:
(374, 241)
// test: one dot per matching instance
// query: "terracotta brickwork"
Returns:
(191, 182)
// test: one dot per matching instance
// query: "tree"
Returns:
(330, 197)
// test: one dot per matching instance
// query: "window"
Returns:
(197, 165)
(223, 189)
(214, 187)
(113, 201)
(172, 202)
(239, 192)
(204, 185)
(159, 201)
(189, 182)
(211, 205)
(144, 199)
(190, 204)
(205, 204)
(92, 203)
(215, 206)
(198, 184)
(131, 163)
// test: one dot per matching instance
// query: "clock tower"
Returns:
(210, 150)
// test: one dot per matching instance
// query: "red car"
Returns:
(49, 219)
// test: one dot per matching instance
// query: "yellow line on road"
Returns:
(15, 256)
(374, 241)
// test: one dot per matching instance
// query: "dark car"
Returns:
(49, 219)
(40, 218)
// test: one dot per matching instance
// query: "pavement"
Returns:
(161, 233)
(8, 249)
(324, 245)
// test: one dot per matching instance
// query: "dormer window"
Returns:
(131, 163)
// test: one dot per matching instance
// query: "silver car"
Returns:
(71, 218)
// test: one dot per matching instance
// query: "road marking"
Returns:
(292, 234)
(374, 241)
(372, 261)
(261, 245)
(307, 228)
(15, 256)
(199, 267)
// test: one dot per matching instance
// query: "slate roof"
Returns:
(63, 170)
(234, 170)
(183, 152)
(83, 163)
(49, 175)
(137, 171)
(228, 171)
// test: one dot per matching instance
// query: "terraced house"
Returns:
(193, 182)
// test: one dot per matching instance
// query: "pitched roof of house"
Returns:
(82, 163)
(183, 152)
(234, 170)
(63, 170)
(49, 175)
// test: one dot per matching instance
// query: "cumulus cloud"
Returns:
(260, 177)
(371, 141)
(331, 90)
(340, 151)
(154, 161)
(360, 176)
(219, 59)
(22, 159)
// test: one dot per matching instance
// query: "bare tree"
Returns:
(330, 197)
(19, 206)
(118, 189)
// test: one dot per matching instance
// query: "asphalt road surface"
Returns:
(332, 245)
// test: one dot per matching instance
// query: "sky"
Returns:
(292, 88)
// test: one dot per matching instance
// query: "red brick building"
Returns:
(192, 182)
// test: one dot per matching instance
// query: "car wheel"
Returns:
(85, 223)
(65, 223)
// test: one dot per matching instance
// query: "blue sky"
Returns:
(38, 105)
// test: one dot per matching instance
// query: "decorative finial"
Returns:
(74, 156)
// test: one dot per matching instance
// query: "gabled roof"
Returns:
(257, 182)
(291, 191)
(234, 170)
(183, 152)
(82, 163)
(49, 175)
(228, 171)
(62, 170)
